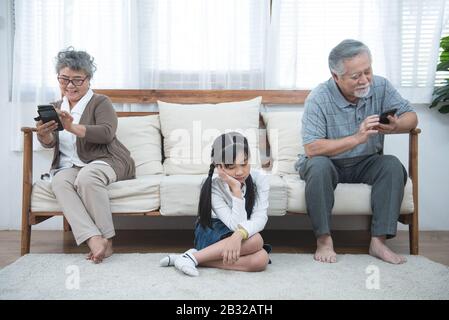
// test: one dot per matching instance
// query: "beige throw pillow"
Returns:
(284, 136)
(189, 131)
(142, 137)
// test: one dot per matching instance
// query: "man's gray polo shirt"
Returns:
(328, 115)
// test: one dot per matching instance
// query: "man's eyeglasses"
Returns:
(76, 82)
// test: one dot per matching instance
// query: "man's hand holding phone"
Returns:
(367, 128)
(388, 122)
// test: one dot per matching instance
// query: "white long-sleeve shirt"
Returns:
(67, 140)
(231, 210)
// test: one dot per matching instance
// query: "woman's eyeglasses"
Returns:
(76, 82)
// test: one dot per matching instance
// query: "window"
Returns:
(145, 44)
(403, 38)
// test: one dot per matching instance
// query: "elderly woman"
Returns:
(87, 154)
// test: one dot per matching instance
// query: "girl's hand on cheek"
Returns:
(232, 182)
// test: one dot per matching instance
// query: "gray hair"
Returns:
(346, 49)
(75, 60)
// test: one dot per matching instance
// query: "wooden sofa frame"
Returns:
(269, 97)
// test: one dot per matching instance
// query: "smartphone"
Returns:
(383, 118)
(47, 113)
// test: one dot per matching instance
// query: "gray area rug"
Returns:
(290, 276)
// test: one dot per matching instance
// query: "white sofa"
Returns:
(172, 151)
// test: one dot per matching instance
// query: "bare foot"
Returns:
(325, 249)
(89, 256)
(378, 249)
(109, 250)
(98, 246)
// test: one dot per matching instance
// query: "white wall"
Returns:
(4, 89)
(433, 153)
(433, 162)
(11, 162)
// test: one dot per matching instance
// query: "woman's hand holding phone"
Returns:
(45, 130)
(66, 119)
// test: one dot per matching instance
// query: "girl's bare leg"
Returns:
(253, 262)
(252, 256)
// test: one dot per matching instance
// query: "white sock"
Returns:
(187, 264)
(169, 260)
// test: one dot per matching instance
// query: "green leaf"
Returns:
(434, 103)
(440, 90)
(440, 95)
(444, 56)
(443, 106)
(444, 109)
(444, 43)
(443, 66)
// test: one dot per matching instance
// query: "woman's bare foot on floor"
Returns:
(107, 253)
(378, 249)
(98, 246)
(325, 249)
(109, 250)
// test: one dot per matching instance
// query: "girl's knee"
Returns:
(259, 261)
(256, 242)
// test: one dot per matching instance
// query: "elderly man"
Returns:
(343, 141)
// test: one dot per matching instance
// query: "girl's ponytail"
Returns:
(205, 204)
(250, 196)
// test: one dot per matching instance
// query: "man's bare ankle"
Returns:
(325, 239)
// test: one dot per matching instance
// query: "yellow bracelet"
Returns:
(243, 232)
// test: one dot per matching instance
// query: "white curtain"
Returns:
(403, 36)
(176, 44)
(219, 44)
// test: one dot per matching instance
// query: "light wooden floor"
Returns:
(433, 244)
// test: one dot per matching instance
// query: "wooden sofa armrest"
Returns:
(412, 220)
(27, 184)
(413, 157)
(28, 155)
(413, 154)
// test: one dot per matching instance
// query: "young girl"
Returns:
(232, 211)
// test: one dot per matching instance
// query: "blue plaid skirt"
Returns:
(205, 237)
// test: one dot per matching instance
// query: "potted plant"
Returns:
(441, 94)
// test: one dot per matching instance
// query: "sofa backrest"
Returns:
(146, 146)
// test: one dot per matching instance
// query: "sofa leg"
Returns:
(25, 239)
(413, 238)
(67, 226)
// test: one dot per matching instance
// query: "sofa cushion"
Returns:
(284, 136)
(142, 137)
(278, 196)
(350, 198)
(189, 131)
(135, 195)
(180, 195)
